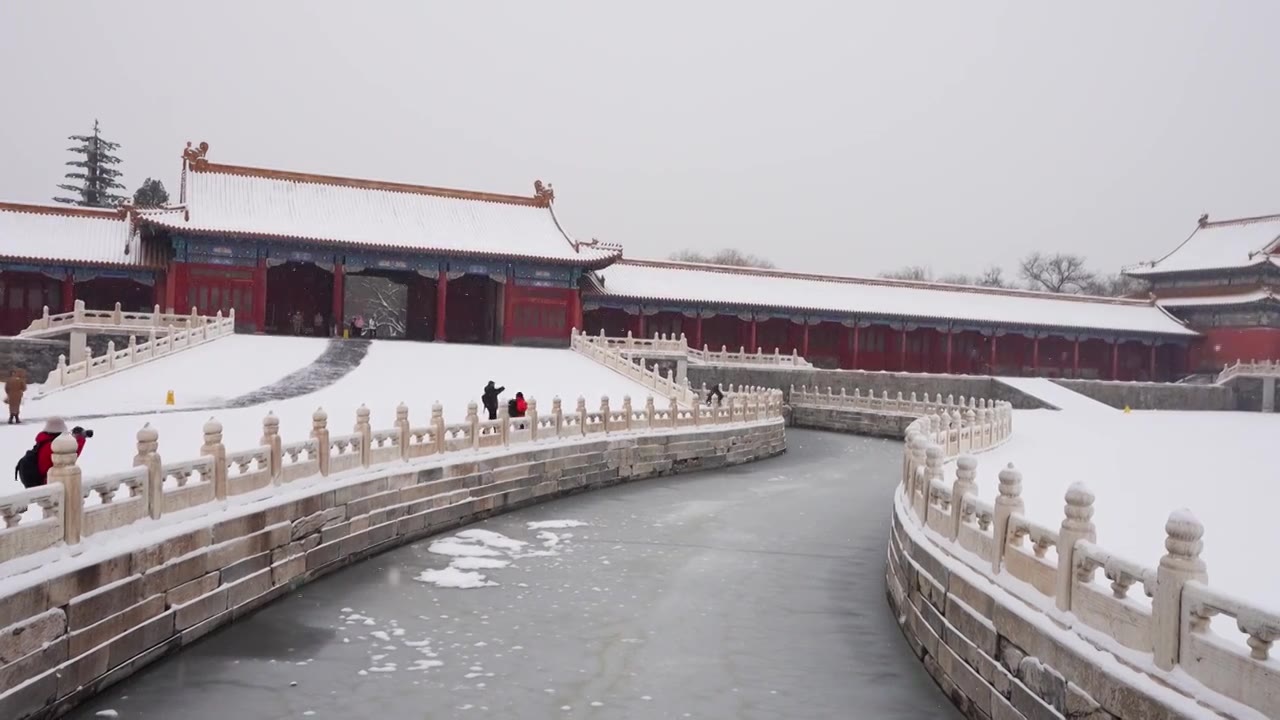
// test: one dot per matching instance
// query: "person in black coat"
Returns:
(715, 393)
(490, 399)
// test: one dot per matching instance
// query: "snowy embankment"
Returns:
(417, 374)
(1055, 394)
(199, 377)
(1144, 465)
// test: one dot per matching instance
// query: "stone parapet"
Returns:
(75, 627)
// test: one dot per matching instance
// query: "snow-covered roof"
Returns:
(62, 233)
(711, 284)
(1209, 300)
(1219, 245)
(252, 202)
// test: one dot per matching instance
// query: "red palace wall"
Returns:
(1223, 346)
(539, 316)
(211, 288)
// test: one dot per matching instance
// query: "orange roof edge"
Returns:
(887, 282)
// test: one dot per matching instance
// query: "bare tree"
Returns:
(1056, 273)
(1115, 286)
(909, 272)
(728, 256)
(992, 276)
(383, 303)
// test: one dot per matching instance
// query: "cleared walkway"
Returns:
(755, 592)
(1055, 395)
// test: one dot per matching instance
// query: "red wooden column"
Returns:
(640, 323)
(856, 342)
(991, 366)
(1035, 355)
(1151, 369)
(1075, 358)
(575, 310)
(442, 302)
(259, 297)
(1115, 360)
(170, 288)
(902, 348)
(950, 334)
(68, 292)
(697, 331)
(804, 340)
(339, 310)
(751, 336)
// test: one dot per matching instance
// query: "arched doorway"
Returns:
(299, 299)
(474, 316)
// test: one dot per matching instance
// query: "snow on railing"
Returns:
(72, 507)
(198, 331)
(1058, 565)
(81, 318)
(670, 344)
(1256, 368)
(611, 357)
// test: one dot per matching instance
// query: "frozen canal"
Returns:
(754, 592)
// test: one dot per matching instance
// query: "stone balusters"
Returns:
(557, 415)
(1008, 502)
(365, 431)
(933, 459)
(1076, 525)
(674, 409)
(148, 457)
(320, 433)
(402, 425)
(504, 425)
(473, 425)
(650, 412)
(531, 419)
(1181, 564)
(66, 473)
(627, 412)
(271, 440)
(437, 427)
(966, 471)
(604, 413)
(581, 410)
(213, 449)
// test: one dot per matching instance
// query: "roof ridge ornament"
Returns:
(195, 156)
(543, 193)
(1204, 220)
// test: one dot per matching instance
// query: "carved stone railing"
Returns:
(115, 320)
(1254, 368)
(672, 345)
(612, 357)
(1168, 621)
(70, 507)
(197, 330)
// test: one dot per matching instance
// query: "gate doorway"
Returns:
(299, 299)
(474, 310)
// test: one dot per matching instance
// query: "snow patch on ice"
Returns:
(457, 548)
(554, 524)
(451, 577)
(479, 563)
(492, 539)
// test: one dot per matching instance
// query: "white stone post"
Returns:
(217, 454)
(917, 464)
(437, 427)
(1008, 502)
(675, 413)
(402, 424)
(1180, 565)
(531, 419)
(67, 473)
(133, 349)
(149, 458)
(320, 433)
(650, 412)
(504, 425)
(966, 471)
(696, 411)
(626, 412)
(604, 413)
(78, 312)
(1076, 525)
(79, 346)
(111, 355)
(365, 432)
(473, 421)
(271, 439)
(557, 414)
(933, 456)
(581, 409)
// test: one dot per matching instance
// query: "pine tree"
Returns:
(151, 194)
(97, 175)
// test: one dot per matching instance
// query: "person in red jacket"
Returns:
(54, 427)
(521, 404)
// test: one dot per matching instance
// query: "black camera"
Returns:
(77, 430)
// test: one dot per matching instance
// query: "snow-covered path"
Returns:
(753, 592)
(1055, 394)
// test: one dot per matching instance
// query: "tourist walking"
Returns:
(489, 398)
(715, 393)
(14, 388)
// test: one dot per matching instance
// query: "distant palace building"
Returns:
(491, 268)
(1220, 281)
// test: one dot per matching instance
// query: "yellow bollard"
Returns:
(168, 399)
(1126, 410)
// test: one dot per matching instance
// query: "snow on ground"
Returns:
(479, 549)
(1055, 394)
(203, 375)
(1142, 466)
(416, 373)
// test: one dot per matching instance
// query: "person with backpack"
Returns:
(489, 399)
(14, 388)
(522, 405)
(33, 468)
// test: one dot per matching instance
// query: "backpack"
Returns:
(512, 410)
(28, 468)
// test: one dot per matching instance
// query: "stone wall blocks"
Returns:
(30, 698)
(189, 591)
(242, 591)
(308, 525)
(200, 609)
(37, 662)
(156, 555)
(91, 607)
(176, 572)
(972, 626)
(27, 636)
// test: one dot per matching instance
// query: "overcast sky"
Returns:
(843, 137)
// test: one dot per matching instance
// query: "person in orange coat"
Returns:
(14, 388)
